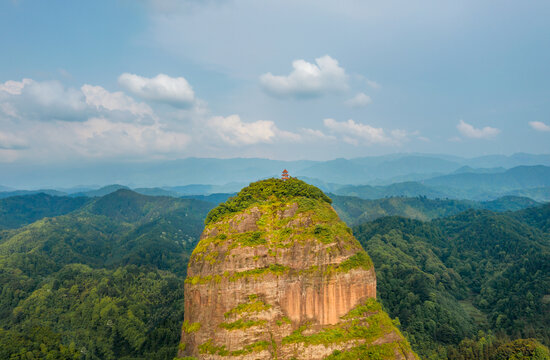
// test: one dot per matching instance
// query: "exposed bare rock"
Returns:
(283, 278)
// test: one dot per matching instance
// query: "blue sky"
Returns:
(131, 80)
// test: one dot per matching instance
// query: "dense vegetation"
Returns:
(103, 278)
(17, 211)
(356, 211)
(263, 190)
(490, 347)
(131, 312)
(103, 282)
(450, 278)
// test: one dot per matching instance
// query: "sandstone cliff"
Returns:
(277, 275)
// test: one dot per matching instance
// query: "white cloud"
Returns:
(14, 87)
(373, 84)
(307, 79)
(100, 138)
(98, 97)
(113, 125)
(357, 133)
(401, 135)
(8, 109)
(359, 100)
(234, 131)
(10, 141)
(103, 138)
(162, 88)
(51, 100)
(539, 126)
(469, 131)
(48, 120)
(314, 134)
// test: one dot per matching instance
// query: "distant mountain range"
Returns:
(368, 178)
(376, 170)
(519, 177)
(529, 181)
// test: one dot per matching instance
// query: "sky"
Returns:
(141, 80)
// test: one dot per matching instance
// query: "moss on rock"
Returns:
(270, 277)
(264, 190)
(190, 327)
(366, 322)
(253, 305)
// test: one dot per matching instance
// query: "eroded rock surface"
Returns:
(283, 278)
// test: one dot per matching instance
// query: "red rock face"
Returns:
(325, 300)
(260, 275)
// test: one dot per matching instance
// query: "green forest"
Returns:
(102, 282)
(474, 280)
(103, 277)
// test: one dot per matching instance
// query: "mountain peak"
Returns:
(278, 275)
(267, 190)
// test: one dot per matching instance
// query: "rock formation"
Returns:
(277, 275)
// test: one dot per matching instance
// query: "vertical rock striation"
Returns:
(277, 275)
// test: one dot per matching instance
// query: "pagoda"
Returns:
(285, 176)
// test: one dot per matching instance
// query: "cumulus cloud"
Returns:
(47, 100)
(359, 100)
(99, 98)
(307, 79)
(14, 87)
(234, 131)
(470, 131)
(47, 119)
(51, 100)
(539, 126)
(162, 88)
(98, 138)
(357, 133)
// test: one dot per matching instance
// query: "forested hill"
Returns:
(105, 281)
(103, 278)
(448, 279)
(356, 211)
(17, 211)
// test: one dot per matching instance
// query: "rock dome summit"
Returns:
(277, 275)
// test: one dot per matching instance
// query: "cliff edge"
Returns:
(277, 275)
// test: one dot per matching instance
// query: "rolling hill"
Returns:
(17, 211)
(448, 279)
(355, 211)
(103, 277)
(104, 281)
